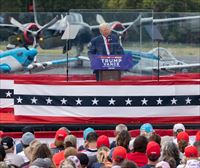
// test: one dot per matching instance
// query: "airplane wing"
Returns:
(177, 67)
(175, 19)
(54, 62)
(100, 20)
(164, 20)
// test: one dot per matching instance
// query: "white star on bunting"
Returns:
(19, 100)
(49, 100)
(34, 100)
(78, 101)
(8, 94)
(95, 101)
(63, 101)
(174, 100)
(144, 101)
(159, 101)
(112, 101)
(188, 100)
(128, 101)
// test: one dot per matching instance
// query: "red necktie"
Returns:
(108, 42)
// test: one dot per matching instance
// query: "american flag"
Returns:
(101, 104)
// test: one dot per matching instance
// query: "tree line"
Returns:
(66, 5)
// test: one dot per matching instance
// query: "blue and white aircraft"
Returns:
(159, 59)
(22, 59)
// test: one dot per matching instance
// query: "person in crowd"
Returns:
(70, 151)
(197, 142)
(1, 135)
(58, 145)
(4, 164)
(128, 164)
(165, 139)
(42, 151)
(130, 146)
(27, 138)
(105, 44)
(84, 160)
(191, 158)
(31, 148)
(70, 141)
(153, 154)
(102, 158)
(75, 160)
(118, 155)
(156, 138)
(103, 146)
(103, 140)
(123, 139)
(170, 154)
(19, 146)
(119, 128)
(67, 164)
(91, 150)
(11, 158)
(179, 127)
(41, 163)
(146, 130)
(2, 153)
(85, 133)
(197, 136)
(162, 164)
(183, 141)
(139, 151)
(66, 129)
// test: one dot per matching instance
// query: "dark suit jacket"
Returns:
(97, 46)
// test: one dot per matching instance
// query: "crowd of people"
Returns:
(147, 150)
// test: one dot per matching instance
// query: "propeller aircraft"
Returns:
(159, 59)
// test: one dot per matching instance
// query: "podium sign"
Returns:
(111, 62)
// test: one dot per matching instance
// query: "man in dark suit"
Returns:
(105, 44)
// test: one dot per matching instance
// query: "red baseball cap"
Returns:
(103, 140)
(197, 136)
(60, 135)
(1, 134)
(153, 148)
(183, 136)
(191, 151)
(119, 153)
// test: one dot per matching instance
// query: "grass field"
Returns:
(177, 49)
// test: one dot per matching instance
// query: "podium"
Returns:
(109, 75)
(109, 67)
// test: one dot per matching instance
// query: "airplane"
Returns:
(22, 59)
(159, 59)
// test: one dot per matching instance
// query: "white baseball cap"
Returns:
(178, 126)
